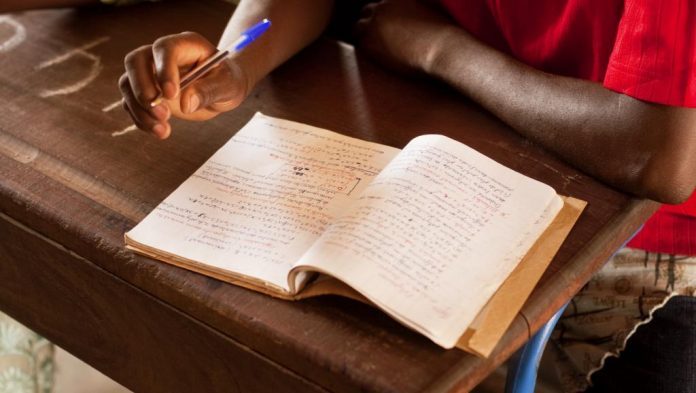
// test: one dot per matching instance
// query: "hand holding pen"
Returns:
(189, 73)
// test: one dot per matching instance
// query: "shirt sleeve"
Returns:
(654, 56)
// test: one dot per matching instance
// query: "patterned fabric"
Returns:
(26, 359)
(624, 294)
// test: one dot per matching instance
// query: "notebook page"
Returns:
(434, 235)
(261, 200)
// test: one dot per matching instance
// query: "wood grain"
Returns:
(122, 330)
(68, 180)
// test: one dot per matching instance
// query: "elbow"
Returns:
(668, 179)
(668, 173)
(663, 192)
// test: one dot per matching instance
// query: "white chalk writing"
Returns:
(19, 34)
(94, 70)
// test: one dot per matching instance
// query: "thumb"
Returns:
(220, 90)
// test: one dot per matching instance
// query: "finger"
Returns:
(176, 52)
(159, 130)
(221, 89)
(142, 118)
(140, 70)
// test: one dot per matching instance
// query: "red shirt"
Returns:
(642, 48)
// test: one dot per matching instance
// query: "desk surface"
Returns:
(70, 186)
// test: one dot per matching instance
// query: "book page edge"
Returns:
(482, 340)
(207, 270)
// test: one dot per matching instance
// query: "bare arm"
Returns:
(295, 23)
(643, 148)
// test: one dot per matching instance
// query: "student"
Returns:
(608, 86)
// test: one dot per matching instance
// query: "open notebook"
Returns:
(428, 233)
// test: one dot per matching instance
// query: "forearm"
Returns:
(609, 135)
(295, 24)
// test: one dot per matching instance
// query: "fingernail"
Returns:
(194, 101)
(158, 129)
(160, 112)
(168, 89)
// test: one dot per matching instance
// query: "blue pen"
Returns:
(245, 39)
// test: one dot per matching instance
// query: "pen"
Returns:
(245, 39)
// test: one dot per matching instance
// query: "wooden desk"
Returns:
(69, 189)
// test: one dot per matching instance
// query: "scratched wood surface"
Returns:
(89, 302)
(72, 173)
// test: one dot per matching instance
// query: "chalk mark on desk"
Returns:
(124, 131)
(73, 178)
(75, 51)
(81, 84)
(112, 106)
(20, 34)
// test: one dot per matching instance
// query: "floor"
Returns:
(75, 376)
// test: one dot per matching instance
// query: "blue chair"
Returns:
(523, 365)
